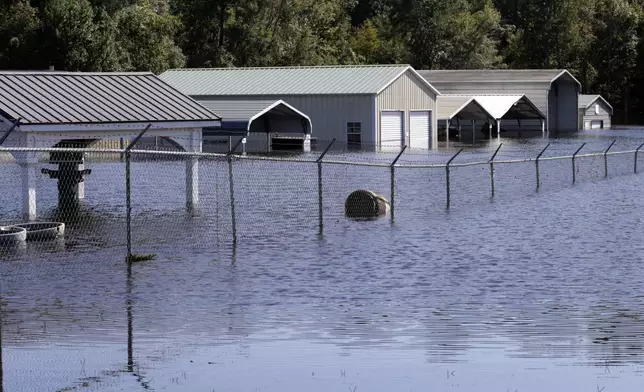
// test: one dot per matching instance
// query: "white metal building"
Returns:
(594, 112)
(553, 91)
(361, 106)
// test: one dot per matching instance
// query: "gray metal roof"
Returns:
(53, 97)
(237, 110)
(502, 106)
(466, 107)
(585, 100)
(496, 75)
(314, 80)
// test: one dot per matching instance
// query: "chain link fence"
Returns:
(156, 197)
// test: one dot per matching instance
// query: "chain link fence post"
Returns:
(574, 174)
(320, 203)
(128, 192)
(447, 184)
(491, 161)
(393, 181)
(606, 158)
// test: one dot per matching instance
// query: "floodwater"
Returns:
(526, 290)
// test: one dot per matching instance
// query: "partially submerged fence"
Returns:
(136, 198)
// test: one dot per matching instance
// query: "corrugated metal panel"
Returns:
(334, 80)
(495, 75)
(236, 110)
(466, 107)
(585, 100)
(500, 105)
(567, 105)
(329, 114)
(80, 98)
(537, 93)
(407, 93)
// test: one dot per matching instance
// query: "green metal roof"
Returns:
(314, 80)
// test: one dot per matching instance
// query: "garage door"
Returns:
(419, 129)
(391, 125)
(596, 124)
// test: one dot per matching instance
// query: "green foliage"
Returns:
(598, 40)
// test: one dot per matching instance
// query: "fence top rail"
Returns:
(314, 159)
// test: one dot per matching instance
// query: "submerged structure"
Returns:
(45, 109)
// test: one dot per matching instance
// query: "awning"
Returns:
(241, 117)
(462, 107)
(510, 107)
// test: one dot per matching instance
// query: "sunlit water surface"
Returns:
(524, 291)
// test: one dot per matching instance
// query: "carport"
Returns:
(259, 120)
(510, 107)
(457, 108)
(45, 109)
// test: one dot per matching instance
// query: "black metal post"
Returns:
(231, 184)
(635, 163)
(320, 203)
(447, 184)
(492, 167)
(393, 181)
(606, 158)
(537, 164)
(128, 192)
(574, 174)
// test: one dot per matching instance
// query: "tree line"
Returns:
(599, 41)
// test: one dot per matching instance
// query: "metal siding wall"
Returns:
(567, 106)
(329, 114)
(406, 94)
(603, 110)
(536, 92)
(605, 117)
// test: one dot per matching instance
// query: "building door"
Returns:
(597, 124)
(391, 129)
(419, 129)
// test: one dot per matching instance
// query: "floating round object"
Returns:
(365, 204)
(43, 230)
(11, 234)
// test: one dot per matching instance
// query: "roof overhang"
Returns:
(567, 74)
(598, 97)
(510, 107)
(416, 75)
(121, 126)
(470, 109)
(242, 127)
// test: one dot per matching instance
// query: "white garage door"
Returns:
(391, 125)
(419, 129)
(596, 124)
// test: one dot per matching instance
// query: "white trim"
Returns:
(416, 74)
(471, 98)
(603, 99)
(272, 106)
(569, 74)
(376, 120)
(63, 128)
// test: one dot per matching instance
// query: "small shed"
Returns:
(553, 91)
(594, 112)
(361, 106)
(260, 121)
(45, 109)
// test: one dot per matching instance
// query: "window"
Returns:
(597, 109)
(354, 135)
